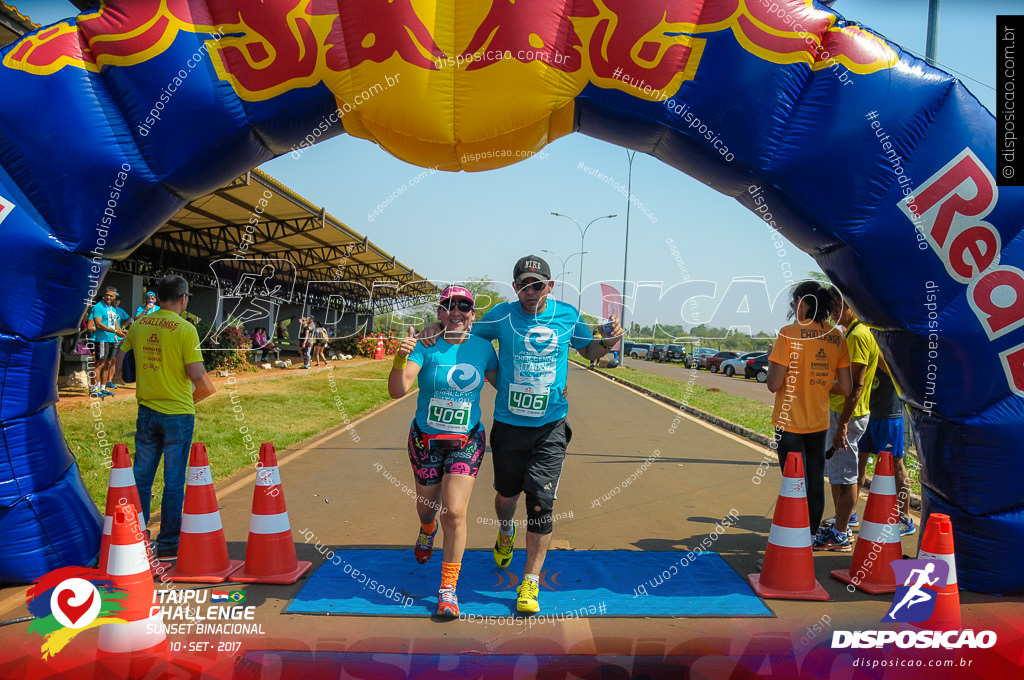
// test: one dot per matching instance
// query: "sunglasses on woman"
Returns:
(537, 286)
(464, 306)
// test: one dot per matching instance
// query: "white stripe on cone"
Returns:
(879, 533)
(269, 524)
(121, 638)
(120, 477)
(200, 524)
(108, 523)
(127, 560)
(884, 485)
(268, 476)
(199, 476)
(793, 487)
(948, 559)
(790, 537)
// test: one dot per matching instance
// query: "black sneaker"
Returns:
(167, 553)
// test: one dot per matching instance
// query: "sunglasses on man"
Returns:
(464, 306)
(537, 286)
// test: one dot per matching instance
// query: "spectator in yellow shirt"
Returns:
(171, 380)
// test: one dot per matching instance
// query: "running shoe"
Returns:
(503, 547)
(425, 546)
(831, 522)
(111, 385)
(907, 526)
(447, 603)
(106, 393)
(833, 541)
(528, 591)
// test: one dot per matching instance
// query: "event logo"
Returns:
(464, 377)
(914, 601)
(541, 341)
(69, 600)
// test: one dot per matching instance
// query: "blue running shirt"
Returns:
(450, 379)
(533, 359)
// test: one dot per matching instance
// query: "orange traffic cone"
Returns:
(878, 543)
(121, 489)
(124, 646)
(270, 550)
(379, 354)
(202, 550)
(937, 544)
(788, 571)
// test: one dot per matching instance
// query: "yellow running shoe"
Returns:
(503, 548)
(527, 602)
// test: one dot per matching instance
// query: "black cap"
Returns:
(531, 265)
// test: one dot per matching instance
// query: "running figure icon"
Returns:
(916, 594)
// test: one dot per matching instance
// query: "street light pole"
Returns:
(625, 258)
(563, 260)
(583, 235)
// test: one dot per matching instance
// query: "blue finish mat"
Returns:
(581, 582)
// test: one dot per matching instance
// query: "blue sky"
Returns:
(490, 219)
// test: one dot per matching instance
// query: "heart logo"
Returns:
(75, 603)
(73, 612)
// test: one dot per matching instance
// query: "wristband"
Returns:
(399, 363)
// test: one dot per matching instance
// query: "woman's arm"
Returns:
(403, 372)
(776, 376)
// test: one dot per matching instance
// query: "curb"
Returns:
(914, 500)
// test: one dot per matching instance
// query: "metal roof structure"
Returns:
(254, 220)
(13, 24)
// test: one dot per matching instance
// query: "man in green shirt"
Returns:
(171, 380)
(849, 420)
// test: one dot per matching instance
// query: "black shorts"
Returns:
(431, 464)
(105, 350)
(529, 458)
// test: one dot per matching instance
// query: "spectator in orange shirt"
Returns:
(808, 361)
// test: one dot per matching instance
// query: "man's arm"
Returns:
(100, 325)
(204, 387)
(598, 347)
(857, 373)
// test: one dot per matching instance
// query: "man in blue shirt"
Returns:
(148, 308)
(530, 432)
(108, 334)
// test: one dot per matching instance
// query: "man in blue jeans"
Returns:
(170, 381)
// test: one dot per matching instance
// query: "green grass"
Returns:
(282, 410)
(749, 413)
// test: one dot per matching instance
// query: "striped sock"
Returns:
(450, 574)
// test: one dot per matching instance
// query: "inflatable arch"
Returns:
(878, 165)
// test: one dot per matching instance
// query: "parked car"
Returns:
(733, 366)
(757, 368)
(698, 357)
(638, 350)
(656, 353)
(674, 353)
(714, 362)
